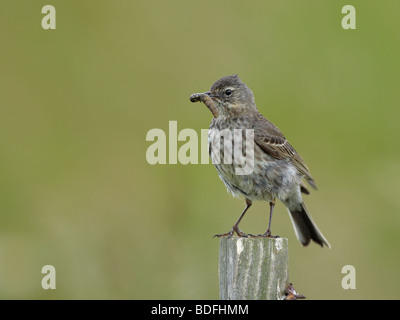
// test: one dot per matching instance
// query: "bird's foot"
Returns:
(229, 234)
(267, 234)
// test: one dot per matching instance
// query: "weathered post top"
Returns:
(253, 268)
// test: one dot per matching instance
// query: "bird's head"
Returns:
(231, 96)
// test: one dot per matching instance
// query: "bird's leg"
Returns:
(235, 228)
(267, 234)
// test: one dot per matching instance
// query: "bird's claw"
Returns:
(229, 234)
(267, 235)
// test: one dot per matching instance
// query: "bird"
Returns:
(277, 170)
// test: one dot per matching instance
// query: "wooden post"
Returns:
(253, 268)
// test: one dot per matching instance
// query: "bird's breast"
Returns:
(264, 178)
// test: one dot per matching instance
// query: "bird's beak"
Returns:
(212, 96)
(207, 99)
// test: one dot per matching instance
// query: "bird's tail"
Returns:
(305, 227)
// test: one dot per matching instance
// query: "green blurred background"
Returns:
(76, 191)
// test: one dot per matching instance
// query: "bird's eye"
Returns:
(228, 92)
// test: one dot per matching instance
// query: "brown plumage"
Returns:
(277, 170)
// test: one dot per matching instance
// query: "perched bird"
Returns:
(277, 170)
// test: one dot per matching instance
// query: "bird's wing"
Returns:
(268, 137)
